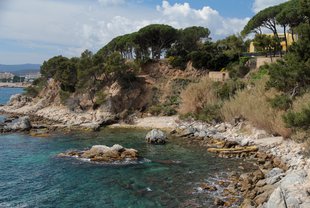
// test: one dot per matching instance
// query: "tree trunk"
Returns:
(285, 38)
(293, 38)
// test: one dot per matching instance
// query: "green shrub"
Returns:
(178, 62)
(31, 91)
(299, 120)
(281, 102)
(101, 98)
(210, 113)
(260, 74)
(237, 70)
(64, 96)
(225, 90)
(155, 110)
(126, 79)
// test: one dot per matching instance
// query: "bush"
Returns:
(126, 79)
(200, 101)
(64, 96)
(209, 114)
(197, 96)
(252, 104)
(178, 62)
(225, 90)
(281, 102)
(31, 91)
(298, 117)
(101, 98)
(238, 70)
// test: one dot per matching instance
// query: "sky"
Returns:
(35, 30)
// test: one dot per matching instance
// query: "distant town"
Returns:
(9, 77)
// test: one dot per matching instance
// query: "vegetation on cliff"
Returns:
(129, 63)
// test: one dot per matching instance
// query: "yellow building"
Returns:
(289, 38)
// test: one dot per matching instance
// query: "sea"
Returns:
(31, 174)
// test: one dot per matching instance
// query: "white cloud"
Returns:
(64, 27)
(182, 15)
(262, 4)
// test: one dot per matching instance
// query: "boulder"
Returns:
(189, 131)
(21, 124)
(96, 150)
(105, 154)
(294, 178)
(156, 137)
(274, 172)
(19, 100)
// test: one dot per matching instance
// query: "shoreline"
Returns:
(284, 170)
(282, 151)
(14, 85)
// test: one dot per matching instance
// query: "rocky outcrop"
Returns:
(14, 125)
(156, 137)
(104, 154)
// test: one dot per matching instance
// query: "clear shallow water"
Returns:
(32, 176)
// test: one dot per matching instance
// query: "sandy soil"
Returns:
(161, 122)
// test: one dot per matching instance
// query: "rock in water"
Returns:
(105, 154)
(21, 124)
(156, 137)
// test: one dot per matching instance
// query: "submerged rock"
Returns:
(156, 137)
(105, 154)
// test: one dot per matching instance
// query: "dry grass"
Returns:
(252, 104)
(197, 96)
(301, 102)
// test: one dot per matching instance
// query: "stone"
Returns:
(276, 199)
(218, 202)
(208, 187)
(202, 134)
(261, 183)
(102, 153)
(258, 175)
(156, 137)
(21, 124)
(221, 127)
(274, 172)
(262, 198)
(189, 131)
(117, 147)
(95, 150)
(274, 179)
(259, 134)
(297, 177)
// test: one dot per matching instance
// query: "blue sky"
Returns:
(35, 30)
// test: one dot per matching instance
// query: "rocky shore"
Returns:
(282, 178)
(58, 114)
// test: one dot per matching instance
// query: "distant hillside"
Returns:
(20, 69)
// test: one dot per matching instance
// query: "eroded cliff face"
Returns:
(156, 83)
(79, 111)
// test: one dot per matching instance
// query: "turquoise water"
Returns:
(31, 174)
